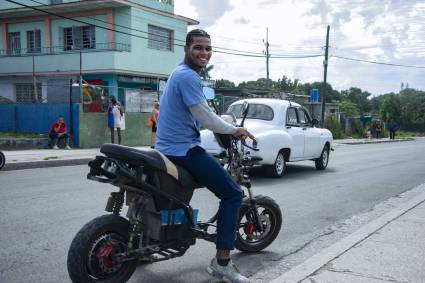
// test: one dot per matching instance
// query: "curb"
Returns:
(313, 264)
(44, 164)
(372, 141)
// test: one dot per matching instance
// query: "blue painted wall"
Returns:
(37, 118)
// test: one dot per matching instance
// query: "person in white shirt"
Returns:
(115, 119)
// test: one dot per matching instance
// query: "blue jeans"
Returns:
(208, 172)
(55, 137)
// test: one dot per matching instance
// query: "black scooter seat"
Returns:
(151, 158)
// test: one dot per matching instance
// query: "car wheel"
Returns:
(277, 170)
(322, 162)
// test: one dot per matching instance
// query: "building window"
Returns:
(33, 41)
(160, 38)
(82, 37)
(15, 43)
(25, 93)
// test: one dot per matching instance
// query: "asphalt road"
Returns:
(42, 209)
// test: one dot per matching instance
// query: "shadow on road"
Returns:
(293, 171)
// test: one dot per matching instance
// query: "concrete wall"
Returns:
(94, 130)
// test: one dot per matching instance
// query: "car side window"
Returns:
(291, 117)
(304, 117)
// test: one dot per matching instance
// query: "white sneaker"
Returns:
(228, 273)
(67, 147)
(55, 147)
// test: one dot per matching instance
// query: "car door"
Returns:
(311, 134)
(296, 133)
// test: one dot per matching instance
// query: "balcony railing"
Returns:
(98, 47)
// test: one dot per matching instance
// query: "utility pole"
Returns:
(34, 81)
(81, 77)
(71, 114)
(267, 53)
(325, 64)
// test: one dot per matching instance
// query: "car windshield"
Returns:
(256, 111)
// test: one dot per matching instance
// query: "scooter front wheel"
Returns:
(253, 235)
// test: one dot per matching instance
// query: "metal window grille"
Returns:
(15, 43)
(82, 37)
(33, 41)
(160, 38)
(25, 93)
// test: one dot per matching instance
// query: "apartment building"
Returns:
(116, 44)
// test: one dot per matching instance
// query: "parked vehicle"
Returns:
(2, 160)
(160, 224)
(285, 133)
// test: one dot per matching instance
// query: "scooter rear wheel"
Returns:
(249, 238)
(2, 160)
(90, 253)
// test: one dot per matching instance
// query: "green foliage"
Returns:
(205, 72)
(16, 135)
(358, 97)
(358, 130)
(407, 108)
(262, 83)
(4, 100)
(407, 134)
(412, 106)
(349, 108)
(390, 109)
(333, 125)
(224, 83)
(287, 85)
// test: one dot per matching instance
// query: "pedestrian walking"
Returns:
(392, 127)
(153, 122)
(115, 116)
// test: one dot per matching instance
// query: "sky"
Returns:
(385, 31)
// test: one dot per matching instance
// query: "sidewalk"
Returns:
(388, 249)
(38, 158)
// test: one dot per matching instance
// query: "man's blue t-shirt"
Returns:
(177, 130)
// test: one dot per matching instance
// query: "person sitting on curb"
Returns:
(58, 132)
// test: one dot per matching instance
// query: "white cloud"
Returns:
(376, 30)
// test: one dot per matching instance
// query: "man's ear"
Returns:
(186, 49)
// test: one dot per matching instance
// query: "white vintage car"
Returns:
(284, 131)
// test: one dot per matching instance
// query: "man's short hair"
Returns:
(195, 33)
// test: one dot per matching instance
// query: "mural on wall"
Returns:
(95, 96)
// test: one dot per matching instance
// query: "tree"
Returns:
(287, 85)
(224, 83)
(263, 83)
(390, 108)
(349, 108)
(205, 72)
(358, 97)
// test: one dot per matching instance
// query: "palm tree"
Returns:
(205, 72)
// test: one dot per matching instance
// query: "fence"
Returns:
(37, 118)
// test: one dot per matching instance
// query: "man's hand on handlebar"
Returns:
(242, 133)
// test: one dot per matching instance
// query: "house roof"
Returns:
(81, 6)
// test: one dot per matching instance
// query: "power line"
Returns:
(378, 63)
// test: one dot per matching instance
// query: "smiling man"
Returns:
(183, 109)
